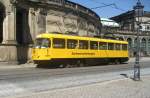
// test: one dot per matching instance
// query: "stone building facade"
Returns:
(22, 20)
(128, 29)
(131, 37)
(128, 21)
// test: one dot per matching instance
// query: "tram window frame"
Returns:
(103, 46)
(86, 44)
(93, 45)
(116, 46)
(124, 47)
(110, 46)
(72, 45)
(58, 46)
(42, 43)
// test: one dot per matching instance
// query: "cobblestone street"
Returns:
(125, 88)
(25, 81)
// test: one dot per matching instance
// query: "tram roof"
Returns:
(50, 35)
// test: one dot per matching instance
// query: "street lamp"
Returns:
(138, 9)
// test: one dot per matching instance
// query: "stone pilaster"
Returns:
(8, 48)
(9, 26)
(37, 22)
(41, 21)
(32, 23)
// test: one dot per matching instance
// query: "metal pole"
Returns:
(137, 59)
(137, 8)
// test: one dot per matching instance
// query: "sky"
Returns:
(121, 6)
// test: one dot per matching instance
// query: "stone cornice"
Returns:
(67, 4)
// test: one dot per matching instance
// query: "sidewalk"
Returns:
(123, 88)
(4, 65)
(142, 59)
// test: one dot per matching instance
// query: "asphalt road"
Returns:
(14, 82)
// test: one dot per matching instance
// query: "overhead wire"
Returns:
(102, 6)
(113, 5)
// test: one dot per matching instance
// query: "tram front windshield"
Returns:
(42, 43)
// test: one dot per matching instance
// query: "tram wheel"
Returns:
(80, 63)
(117, 61)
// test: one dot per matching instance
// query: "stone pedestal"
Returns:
(8, 54)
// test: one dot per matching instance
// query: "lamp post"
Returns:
(138, 9)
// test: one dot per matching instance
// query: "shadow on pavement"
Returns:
(125, 75)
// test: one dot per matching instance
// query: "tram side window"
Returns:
(110, 46)
(72, 44)
(83, 44)
(93, 45)
(102, 46)
(58, 43)
(117, 46)
(42, 43)
(124, 46)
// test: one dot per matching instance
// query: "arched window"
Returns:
(135, 43)
(143, 44)
(149, 45)
(129, 43)
(121, 38)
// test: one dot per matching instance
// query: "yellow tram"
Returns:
(60, 49)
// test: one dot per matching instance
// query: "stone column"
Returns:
(37, 21)
(32, 23)
(8, 49)
(9, 26)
